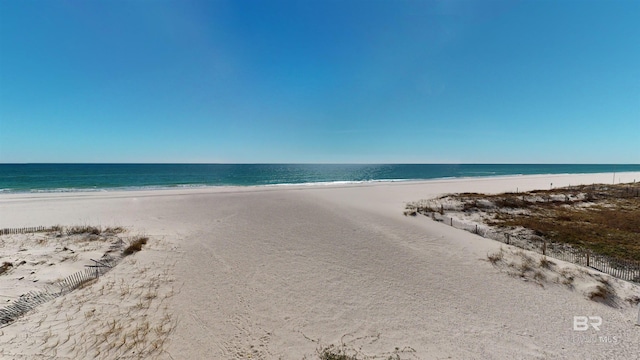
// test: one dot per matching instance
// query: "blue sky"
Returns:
(320, 81)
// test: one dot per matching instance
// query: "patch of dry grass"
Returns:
(496, 257)
(603, 292)
(333, 352)
(567, 278)
(353, 350)
(546, 263)
(135, 245)
(602, 218)
(89, 230)
(612, 230)
(541, 271)
(633, 300)
(112, 230)
(410, 212)
(83, 229)
(5, 267)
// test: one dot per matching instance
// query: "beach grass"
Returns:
(89, 230)
(135, 245)
(5, 267)
(335, 353)
(343, 352)
(602, 218)
(83, 229)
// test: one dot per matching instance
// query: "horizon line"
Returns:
(306, 163)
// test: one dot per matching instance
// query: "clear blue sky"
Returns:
(320, 81)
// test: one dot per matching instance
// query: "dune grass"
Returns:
(605, 219)
(602, 218)
(520, 264)
(83, 229)
(334, 353)
(135, 245)
(89, 230)
(5, 267)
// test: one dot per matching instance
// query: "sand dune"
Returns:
(273, 273)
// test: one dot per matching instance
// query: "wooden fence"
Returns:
(27, 230)
(28, 301)
(623, 269)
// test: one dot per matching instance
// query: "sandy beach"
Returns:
(280, 272)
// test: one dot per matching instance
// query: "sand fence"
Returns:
(623, 269)
(24, 230)
(30, 300)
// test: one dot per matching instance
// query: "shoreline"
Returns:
(313, 184)
(621, 177)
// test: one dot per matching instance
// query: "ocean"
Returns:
(20, 178)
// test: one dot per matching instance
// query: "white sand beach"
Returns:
(279, 272)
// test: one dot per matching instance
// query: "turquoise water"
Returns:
(104, 177)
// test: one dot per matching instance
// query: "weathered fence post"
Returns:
(544, 247)
(451, 221)
(587, 259)
(476, 229)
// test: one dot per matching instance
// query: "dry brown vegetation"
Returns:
(76, 230)
(135, 245)
(602, 218)
(351, 348)
(89, 230)
(5, 267)
(543, 272)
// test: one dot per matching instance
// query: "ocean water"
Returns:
(105, 177)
